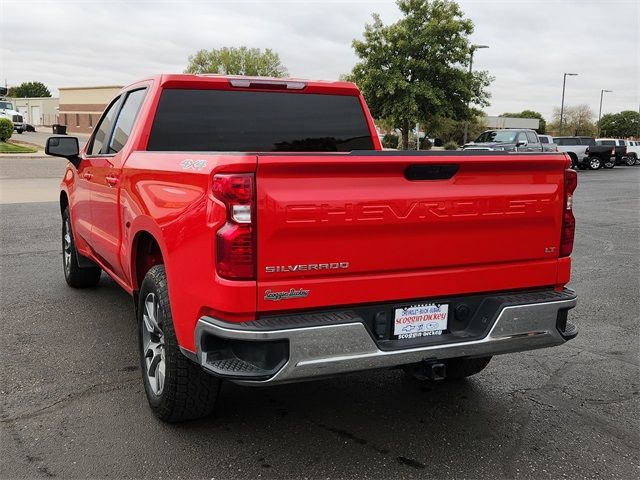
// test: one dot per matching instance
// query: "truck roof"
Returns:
(233, 82)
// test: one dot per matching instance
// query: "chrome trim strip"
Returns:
(341, 348)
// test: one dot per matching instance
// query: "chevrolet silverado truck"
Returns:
(265, 238)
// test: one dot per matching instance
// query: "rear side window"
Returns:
(567, 141)
(104, 128)
(125, 121)
(607, 142)
(588, 141)
(533, 138)
(240, 121)
(544, 139)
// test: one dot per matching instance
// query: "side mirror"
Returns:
(66, 147)
(521, 143)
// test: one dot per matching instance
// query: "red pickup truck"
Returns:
(266, 238)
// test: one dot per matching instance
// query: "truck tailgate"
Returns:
(340, 229)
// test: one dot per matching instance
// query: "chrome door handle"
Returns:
(87, 175)
(111, 180)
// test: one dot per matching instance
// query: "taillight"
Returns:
(235, 241)
(568, 220)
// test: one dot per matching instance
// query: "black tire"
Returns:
(456, 368)
(20, 131)
(630, 160)
(75, 275)
(610, 163)
(594, 163)
(186, 391)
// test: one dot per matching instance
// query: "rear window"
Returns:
(228, 121)
(607, 142)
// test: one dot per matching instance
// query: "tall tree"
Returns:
(542, 128)
(29, 89)
(416, 69)
(623, 124)
(237, 61)
(577, 120)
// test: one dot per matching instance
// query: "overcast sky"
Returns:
(532, 43)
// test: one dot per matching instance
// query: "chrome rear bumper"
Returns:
(326, 350)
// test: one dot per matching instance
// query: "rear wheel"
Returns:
(595, 163)
(630, 160)
(610, 163)
(76, 276)
(177, 388)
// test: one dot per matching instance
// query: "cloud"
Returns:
(532, 43)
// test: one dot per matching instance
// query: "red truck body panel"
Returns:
(494, 225)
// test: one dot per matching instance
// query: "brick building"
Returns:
(80, 107)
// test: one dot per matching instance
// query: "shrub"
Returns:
(390, 141)
(6, 129)
(451, 145)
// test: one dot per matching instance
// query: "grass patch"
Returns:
(8, 147)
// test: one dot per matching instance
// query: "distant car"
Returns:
(548, 144)
(633, 146)
(507, 140)
(633, 151)
(621, 157)
(575, 147)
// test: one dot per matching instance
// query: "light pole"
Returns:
(602, 92)
(466, 123)
(564, 83)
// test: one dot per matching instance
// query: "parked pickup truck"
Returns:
(266, 238)
(621, 157)
(507, 140)
(548, 145)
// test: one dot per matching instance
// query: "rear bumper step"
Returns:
(301, 347)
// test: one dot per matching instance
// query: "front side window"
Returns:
(522, 137)
(245, 121)
(104, 128)
(533, 138)
(126, 119)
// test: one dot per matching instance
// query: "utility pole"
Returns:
(564, 83)
(466, 123)
(602, 92)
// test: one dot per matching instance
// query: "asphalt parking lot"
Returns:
(72, 402)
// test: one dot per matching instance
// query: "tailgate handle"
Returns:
(431, 172)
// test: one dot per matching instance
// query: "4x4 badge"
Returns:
(190, 164)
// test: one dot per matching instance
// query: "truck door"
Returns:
(90, 159)
(106, 231)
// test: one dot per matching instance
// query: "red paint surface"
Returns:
(495, 225)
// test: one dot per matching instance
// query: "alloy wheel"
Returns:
(594, 163)
(153, 346)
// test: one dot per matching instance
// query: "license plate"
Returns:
(420, 320)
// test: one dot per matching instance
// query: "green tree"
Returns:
(237, 61)
(623, 124)
(577, 120)
(452, 130)
(415, 70)
(530, 114)
(29, 89)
